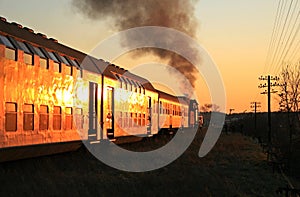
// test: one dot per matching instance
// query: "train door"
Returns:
(93, 114)
(149, 118)
(110, 112)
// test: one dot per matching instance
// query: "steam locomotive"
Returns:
(53, 97)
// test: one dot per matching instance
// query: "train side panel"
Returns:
(37, 103)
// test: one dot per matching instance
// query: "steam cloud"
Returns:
(125, 14)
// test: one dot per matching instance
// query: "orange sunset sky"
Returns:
(236, 34)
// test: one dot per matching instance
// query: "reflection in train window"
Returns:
(28, 56)
(28, 117)
(57, 118)
(43, 58)
(44, 117)
(11, 116)
(10, 50)
(79, 118)
(69, 118)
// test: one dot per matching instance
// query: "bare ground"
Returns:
(235, 167)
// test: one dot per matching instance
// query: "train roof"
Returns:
(181, 99)
(86, 61)
(16, 30)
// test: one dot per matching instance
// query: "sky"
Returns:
(236, 34)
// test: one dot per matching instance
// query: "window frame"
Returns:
(68, 115)
(57, 115)
(28, 117)
(9, 48)
(42, 114)
(9, 114)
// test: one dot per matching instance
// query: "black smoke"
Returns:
(125, 14)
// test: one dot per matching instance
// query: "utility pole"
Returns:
(255, 105)
(269, 91)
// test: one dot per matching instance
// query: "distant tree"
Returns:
(289, 92)
(209, 108)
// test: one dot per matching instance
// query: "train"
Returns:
(53, 97)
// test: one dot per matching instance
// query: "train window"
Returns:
(126, 120)
(139, 119)
(39, 52)
(28, 59)
(125, 85)
(24, 47)
(10, 54)
(28, 56)
(166, 108)
(68, 118)
(56, 67)
(119, 82)
(11, 116)
(131, 119)
(52, 56)
(10, 50)
(44, 117)
(135, 88)
(160, 107)
(175, 110)
(56, 64)
(140, 87)
(136, 119)
(65, 61)
(74, 63)
(79, 73)
(6, 42)
(44, 63)
(68, 70)
(144, 120)
(132, 85)
(57, 118)
(129, 85)
(68, 67)
(79, 118)
(43, 58)
(28, 117)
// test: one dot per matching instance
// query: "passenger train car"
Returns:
(55, 96)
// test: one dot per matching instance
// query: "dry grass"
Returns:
(235, 167)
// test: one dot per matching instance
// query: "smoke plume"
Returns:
(125, 14)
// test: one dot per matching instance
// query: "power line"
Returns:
(276, 32)
(285, 50)
(275, 46)
(281, 34)
(296, 49)
(271, 43)
(295, 35)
